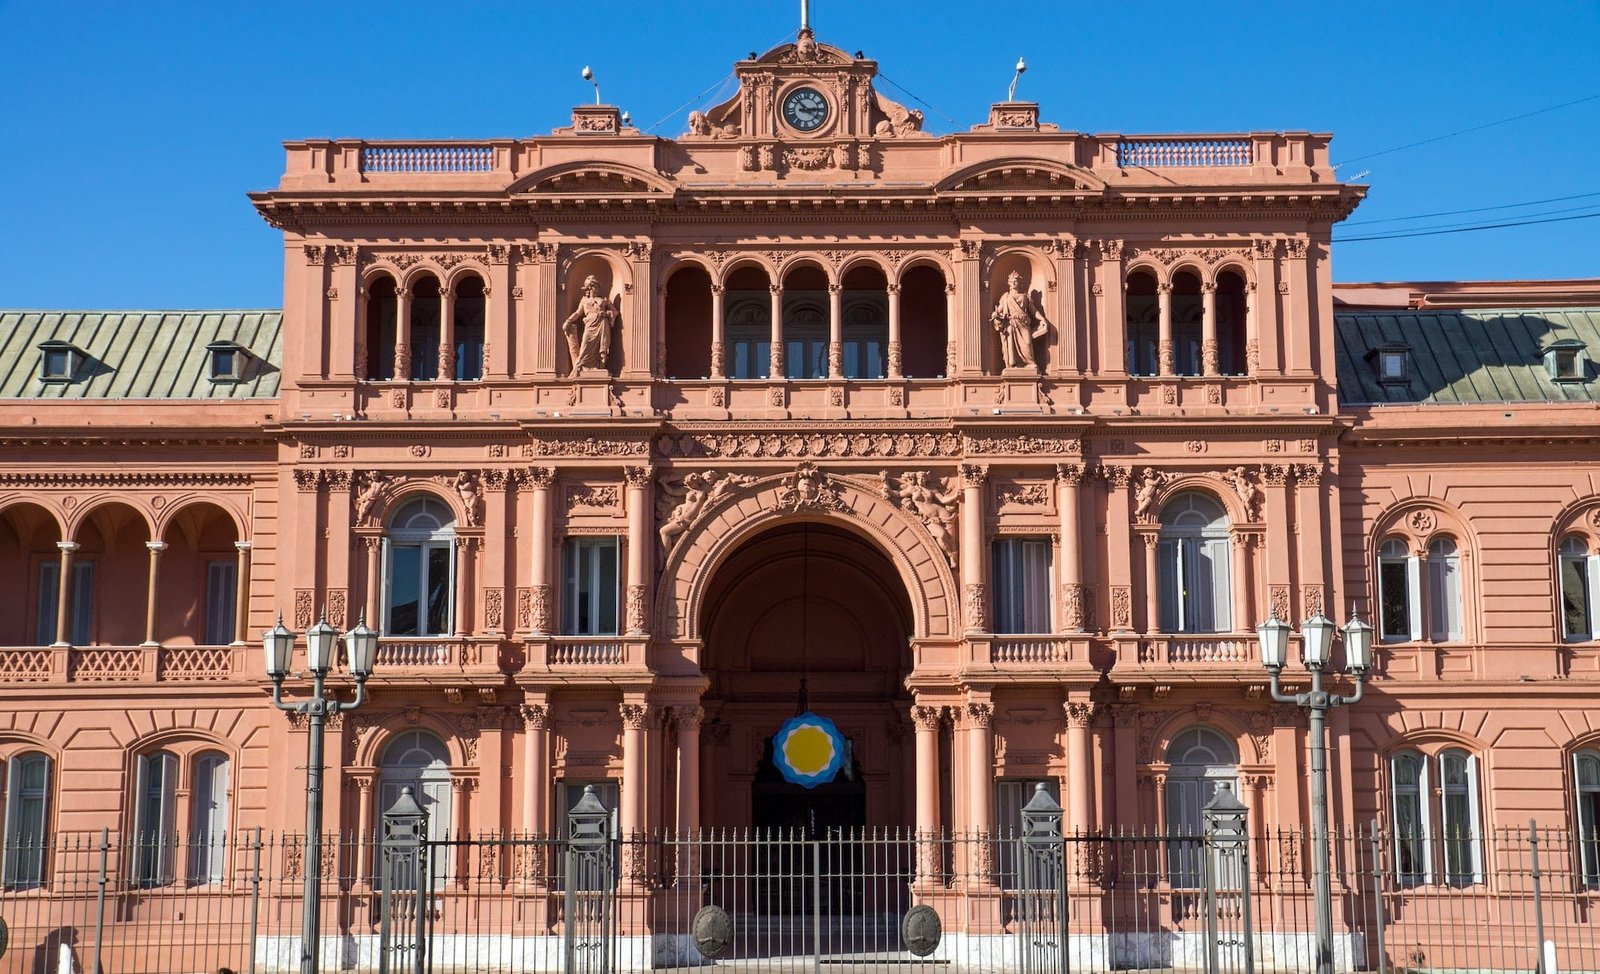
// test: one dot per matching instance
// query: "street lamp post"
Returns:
(361, 645)
(1317, 633)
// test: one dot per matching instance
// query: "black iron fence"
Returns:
(1035, 902)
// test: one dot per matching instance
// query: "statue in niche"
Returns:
(588, 329)
(1019, 323)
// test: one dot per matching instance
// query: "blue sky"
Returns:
(133, 130)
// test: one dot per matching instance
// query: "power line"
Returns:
(1475, 209)
(1475, 128)
(1467, 229)
(913, 96)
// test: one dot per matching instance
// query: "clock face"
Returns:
(805, 109)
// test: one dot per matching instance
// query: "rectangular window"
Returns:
(48, 601)
(221, 600)
(82, 596)
(1394, 600)
(155, 819)
(591, 587)
(1463, 865)
(1409, 787)
(209, 811)
(1021, 585)
(420, 582)
(1444, 597)
(27, 802)
(806, 358)
(749, 358)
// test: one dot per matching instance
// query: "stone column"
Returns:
(1208, 328)
(719, 344)
(1152, 582)
(1080, 796)
(374, 612)
(635, 720)
(952, 321)
(1111, 287)
(1241, 575)
(535, 769)
(1068, 477)
(980, 788)
(447, 334)
(1164, 347)
(926, 721)
(156, 548)
(64, 593)
(464, 549)
(776, 351)
(402, 334)
(974, 596)
(241, 594)
(896, 360)
(639, 561)
(366, 825)
(688, 720)
(540, 479)
(835, 331)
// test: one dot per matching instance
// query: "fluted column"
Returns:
(1208, 328)
(156, 548)
(64, 593)
(719, 346)
(776, 351)
(1080, 793)
(1068, 478)
(241, 594)
(896, 361)
(540, 479)
(1164, 348)
(639, 538)
(974, 597)
(835, 331)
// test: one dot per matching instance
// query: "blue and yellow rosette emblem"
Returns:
(808, 750)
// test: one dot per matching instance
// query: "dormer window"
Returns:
(227, 361)
(1566, 360)
(1393, 361)
(58, 361)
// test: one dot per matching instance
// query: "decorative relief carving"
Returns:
(637, 608)
(493, 608)
(590, 446)
(303, 608)
(539, 609)
(336, 607)
(681, 501)
(1148, 486)
(466, 488)
(1034, 494)
(1121, 607)
(1022, 444)
(1252, 356)
(538, 478)
(593, 497)
(934, 508)
(1072, 606)
(1422, 522)
(1274, 474)
(1249, 494)
(1311, 596)
(1279, 597)
(1195, 446)
(884, 443)
(1309, 474)
(810, 489)
(974, 601)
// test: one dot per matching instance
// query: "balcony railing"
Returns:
(117, 664)
(1191, 650)
(1029, 649)
(427, 158)
(1183, 153)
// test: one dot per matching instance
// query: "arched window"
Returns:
(749, 337)
(1143, 324)
(1444, 590)
(425, 327)
(1579, 572)
(1586, 783)
(420, 761)
(1192, 565)
(467, 321)
(382, 332)
(420, 570)
(1439, 788)
(1199, 759)
(27, 795)
(1399, 593)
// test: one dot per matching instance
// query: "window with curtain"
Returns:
(82, 596)
(1021, 579)
(27, 796)
(1408, 773)
(1444, 590)
(864, 335)
(590, 586)
(1438, 833)
(805, 341)
(1458, 818)
(1399, 594)
(468, 322)
(1199, 760)
(221, 592)
(1192, 570)
(748, 336)
(1577, 570)
(1586, 786)
(208, 818)
(420, 570)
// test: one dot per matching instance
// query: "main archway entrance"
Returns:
(808, 616)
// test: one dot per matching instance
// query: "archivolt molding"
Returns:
(1418, 521)
(1223, 722)
(1582, 518)
(590, 177)
(854, 502)
(997, 176)
(370, 733)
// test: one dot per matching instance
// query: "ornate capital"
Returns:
(635, 716)
(974, 474)
(1079, 713)
(637, 476)
(981, 714)
(1069, 474)
(539, 478)
(688, 718)
(925, 718)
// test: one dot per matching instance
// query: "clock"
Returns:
(805, 109)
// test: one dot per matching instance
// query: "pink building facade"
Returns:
(992, 447)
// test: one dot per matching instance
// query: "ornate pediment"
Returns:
(1006, 175)
(594, 179)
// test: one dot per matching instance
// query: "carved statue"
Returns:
(466, 486)
(1019, 323)
(701, 126)
(1144, 497)
(936, 510)
(898, 120)
(685, 500)
(372, 484)
(588, 328)
(1248, 492)
(720, 483)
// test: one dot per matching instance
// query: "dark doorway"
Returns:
(840, 806)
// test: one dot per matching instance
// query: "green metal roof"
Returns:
(1464, 356)
(140, 354)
